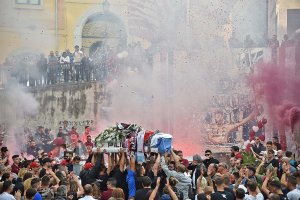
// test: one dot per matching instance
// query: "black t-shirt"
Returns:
(139, 182)
(275, 163)
(42, 173)
(60, 134)
(121, 180)
(230, 191)
(278, 146)
(72, 196)
(143, 194)
(207, 162)
(163, 180)
(103, 180)
(201, 196)
(220, 195)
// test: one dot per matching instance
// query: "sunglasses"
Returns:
(207, 154)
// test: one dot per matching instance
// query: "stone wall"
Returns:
(80, 104)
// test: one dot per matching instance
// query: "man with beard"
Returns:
(46, 167)
(86, 134)
(258, 147)
(16, 166)
(209, 158)
(197, 168)
(33, 149)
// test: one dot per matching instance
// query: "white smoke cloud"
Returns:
(17, 105)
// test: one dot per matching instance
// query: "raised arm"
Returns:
(166, 169)
(80, 191)
(54, 176)
(247, 119)
(170, 190)
(238, 182)
(259, 167)
(154, 192)
(109, 164)
(156, 165)
(122, 160)
(96, 169)
(176, 158)
(264, 188)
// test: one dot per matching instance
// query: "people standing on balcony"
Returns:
(274, 44)
(42, 67)
(234, 42)
(287, 42)
(65, 65)
(59, 70)
(248, 42)
(52, 68)
(72, 68)
(77, 62)
(86, 66)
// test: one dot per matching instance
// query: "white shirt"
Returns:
(87, 197)
(6, 196)
(294, 194)
(63, 60)
(78, 56)
(259, 196)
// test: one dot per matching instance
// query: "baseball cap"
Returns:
(34, 164)
(64, 163)
(88, 166)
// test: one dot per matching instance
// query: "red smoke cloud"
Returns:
(278, 89)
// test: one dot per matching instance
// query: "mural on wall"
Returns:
(233, 110)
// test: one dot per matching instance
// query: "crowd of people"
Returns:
(265, 42)
(69, 166)
(102, 63)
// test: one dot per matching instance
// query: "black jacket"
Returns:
(91, 175)
(207, 162)
(259, 148)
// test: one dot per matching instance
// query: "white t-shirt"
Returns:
(294, 194)
(259, 196)
(6, 196)
(63, 60)
(78, 56)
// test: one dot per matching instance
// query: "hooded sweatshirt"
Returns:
(184, 183)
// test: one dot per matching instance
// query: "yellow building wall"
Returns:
(26, 28)
(32, 28)
(76, 11)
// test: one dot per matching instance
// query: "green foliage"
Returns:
(248, 159)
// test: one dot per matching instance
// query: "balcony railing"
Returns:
(52, 74)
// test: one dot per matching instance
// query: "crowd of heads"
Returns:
(58, 168)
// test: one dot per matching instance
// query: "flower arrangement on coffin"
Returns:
(116, 133)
